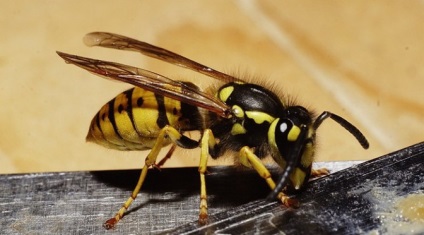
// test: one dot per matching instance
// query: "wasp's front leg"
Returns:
(316, 173)
(249, 159)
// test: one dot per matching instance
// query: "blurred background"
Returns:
(359, 59)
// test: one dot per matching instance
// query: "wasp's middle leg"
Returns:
(207, 144)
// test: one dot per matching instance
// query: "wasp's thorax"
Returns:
(261, 121)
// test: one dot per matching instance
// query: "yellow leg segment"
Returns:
(110, 223)
(207, 142)
(249, 159)
(167, 131)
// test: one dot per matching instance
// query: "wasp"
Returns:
(235, 116)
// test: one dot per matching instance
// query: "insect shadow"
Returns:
(227, 185)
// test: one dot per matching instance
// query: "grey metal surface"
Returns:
(381, 196)
(79, 202)
(350, 201)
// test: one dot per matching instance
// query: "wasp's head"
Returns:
(292, 137)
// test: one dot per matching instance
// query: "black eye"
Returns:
(283, 127)
(286, 134)
(282, 130)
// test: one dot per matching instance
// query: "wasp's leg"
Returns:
(316, 173)
(249, 159)
(167, 157)
(207, 143)
(177, 138)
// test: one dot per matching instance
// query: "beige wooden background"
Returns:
(360, 59)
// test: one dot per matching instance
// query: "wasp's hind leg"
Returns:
(166, 132)
(166, 158)
(249, 159)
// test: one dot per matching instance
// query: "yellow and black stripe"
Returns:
(133, 119)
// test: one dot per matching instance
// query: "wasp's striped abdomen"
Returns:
(133, 119)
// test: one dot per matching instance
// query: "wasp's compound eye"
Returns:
(283, 127)
(281, 132)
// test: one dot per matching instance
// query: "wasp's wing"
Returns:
(150, 81)
(120, 42)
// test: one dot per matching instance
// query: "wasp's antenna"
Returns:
(345, 124)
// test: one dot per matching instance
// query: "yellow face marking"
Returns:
(238, 111)
(275, 153)
(297, 178)
(259, 117)
(271, 134)
(225, 93)
(293, 133)
(238, 129)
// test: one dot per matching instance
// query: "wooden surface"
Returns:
(361, 60)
